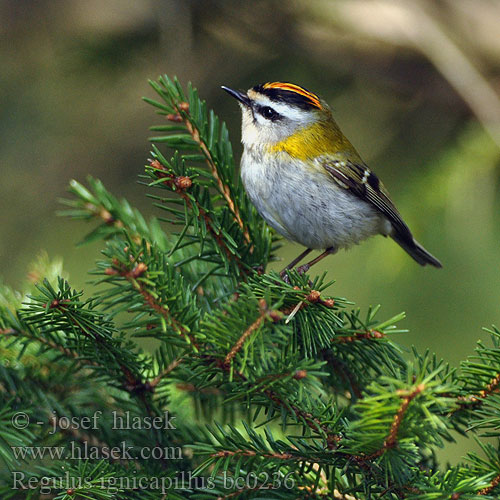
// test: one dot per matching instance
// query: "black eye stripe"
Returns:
(268, 113)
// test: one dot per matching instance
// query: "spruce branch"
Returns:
(164, 373)
(391, 440)
(215, 205)
(116, 216)
(223, 188)
(192, 115)
(356, 418)
(180, 184)
(81, 326)
(388, 428)
(28, 335)
(369, 335)
(494, 483)
(85, 330)
(263, 313)
(133, 275)
(144, 272)
(477, 398)
(301, 415)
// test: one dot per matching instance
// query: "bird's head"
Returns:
(273, 112)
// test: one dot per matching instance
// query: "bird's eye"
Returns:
(268, 113)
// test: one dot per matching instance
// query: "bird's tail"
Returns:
(416, 250)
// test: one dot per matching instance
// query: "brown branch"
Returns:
(491, 487)
(171, 367)
(490, 388)
(251, 453)
(165, 312)
(252, 328)
(473, 400)
(132, 383)
(370, 335)
(311, 421)
(223, 188)
(181, 183)
(52, 345)
(392, 439)
(313, 297)
(131, 276)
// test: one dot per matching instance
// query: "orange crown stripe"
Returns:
(290, 87)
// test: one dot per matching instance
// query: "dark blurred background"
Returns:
(414, 84)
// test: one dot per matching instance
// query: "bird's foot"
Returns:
(303, 269)
(284, 276)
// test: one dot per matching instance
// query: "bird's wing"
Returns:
(362, 182)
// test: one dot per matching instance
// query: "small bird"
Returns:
(306, 179)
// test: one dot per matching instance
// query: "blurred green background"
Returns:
(414, 84)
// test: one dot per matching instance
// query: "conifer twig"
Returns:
(369, 335)
(171, 367)
(252, 453)
(312, 297)
(312, 422)
(50, 344)
(132, 383)
(465, 402)
(392, 439)
(131, 276)
(248, 332)
(181, 183)
(490, 388)
(494, 483)
(223, 188)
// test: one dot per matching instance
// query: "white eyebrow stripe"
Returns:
(287, 110)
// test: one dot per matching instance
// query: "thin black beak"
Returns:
(241, 96)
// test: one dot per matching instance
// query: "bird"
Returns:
(307, 180)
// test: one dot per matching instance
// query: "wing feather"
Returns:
(362, 182)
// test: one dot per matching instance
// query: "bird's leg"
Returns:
(294, 262)
(306, 267)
